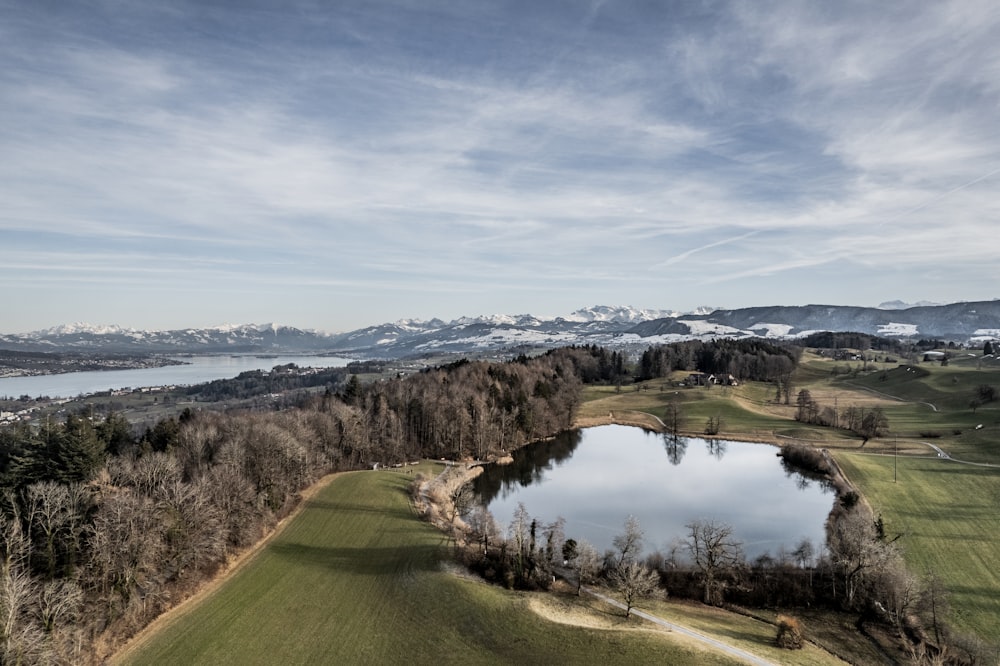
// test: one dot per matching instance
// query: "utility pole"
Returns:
(895, 456)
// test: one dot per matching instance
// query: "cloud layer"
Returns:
(335, 165)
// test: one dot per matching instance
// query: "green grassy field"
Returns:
(922, 399)
(355, 578)
(948, 514)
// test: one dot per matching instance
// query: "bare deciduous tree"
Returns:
(554, 535)
(483, 527)
(461, 499)
(21, 640)
(47, 512)
(715, 552)
(633, 580)
(192, 525)
(586, 565)
(628, 543)
(858, 552)
(59, 603)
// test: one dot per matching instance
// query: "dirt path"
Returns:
(690, 633)
(893, 397)
(944, 455)
(237, 563)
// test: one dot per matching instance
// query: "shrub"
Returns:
(805, 457)
(790, 633)
(849, 499)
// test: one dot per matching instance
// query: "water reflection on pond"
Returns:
(595, 478)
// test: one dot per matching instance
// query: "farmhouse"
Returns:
(704, 379)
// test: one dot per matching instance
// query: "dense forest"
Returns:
(746, 359)
(847, 340)
(253, 383)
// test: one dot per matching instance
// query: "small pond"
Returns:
(595, 478)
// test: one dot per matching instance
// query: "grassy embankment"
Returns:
(356, 578)
(947, 511)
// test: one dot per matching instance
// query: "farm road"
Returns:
(891, 397)
(719, 645)
(944, 455)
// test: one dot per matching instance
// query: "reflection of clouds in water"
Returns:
(618, 471)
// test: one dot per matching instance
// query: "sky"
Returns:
(336, 164)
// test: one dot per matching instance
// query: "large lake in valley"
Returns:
(596, 477)
(196, 370)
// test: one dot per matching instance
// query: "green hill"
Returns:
(356, 578)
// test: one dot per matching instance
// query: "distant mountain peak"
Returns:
(77, 328)
(625, 314)
(614, 326)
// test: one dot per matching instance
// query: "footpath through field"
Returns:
(718, 645)
(868, 389)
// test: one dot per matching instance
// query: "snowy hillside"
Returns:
(614, 326)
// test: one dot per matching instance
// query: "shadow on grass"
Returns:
(345, 508)
(379, 561)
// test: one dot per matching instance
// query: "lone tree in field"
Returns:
(715, 553)
(634, 580)
(629, 577)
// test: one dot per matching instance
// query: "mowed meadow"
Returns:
(945, 515)
(356, 577)
(944, 512)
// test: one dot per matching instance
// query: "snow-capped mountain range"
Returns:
(602, 325)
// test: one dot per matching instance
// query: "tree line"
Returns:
(866, 423)
(748, 359)
(260, 382)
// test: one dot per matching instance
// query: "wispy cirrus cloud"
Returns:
(603, 152)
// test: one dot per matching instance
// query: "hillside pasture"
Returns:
(947, 514)
(947, 511)
(358, 578)
(933, 403)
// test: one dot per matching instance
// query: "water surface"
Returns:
(595, 478)
(196, 370)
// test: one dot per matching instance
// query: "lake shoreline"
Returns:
(180, 371)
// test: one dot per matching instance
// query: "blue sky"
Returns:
(338, 164)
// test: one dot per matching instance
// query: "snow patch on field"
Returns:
(772, 330)
(702, 327)
(505, 337)
(897, 329)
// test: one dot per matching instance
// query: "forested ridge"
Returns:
(746, 359)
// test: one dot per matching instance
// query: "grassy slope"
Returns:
(948, 514)
(355, 579)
